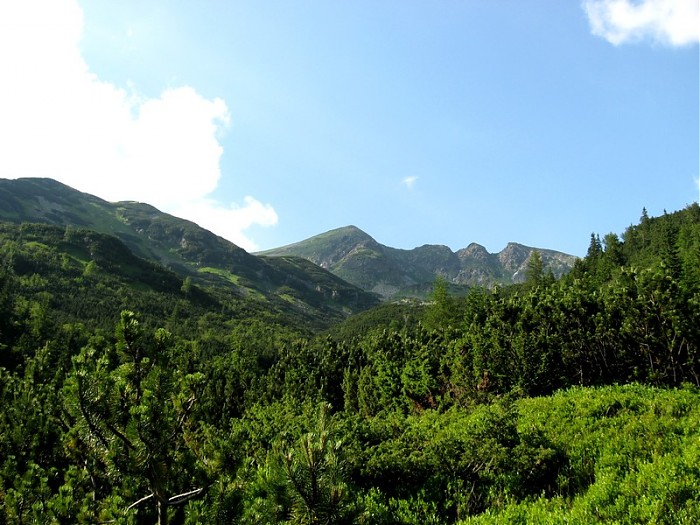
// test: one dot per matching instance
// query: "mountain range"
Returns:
(291, 285)
(359, 259)
(331, 275)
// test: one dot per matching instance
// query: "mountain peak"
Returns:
(473, 250)
(321, 246)
(350, 230)
(348, 252)
(353, 255)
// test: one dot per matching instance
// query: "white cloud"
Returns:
(409, 182)
(671, 22)
(60, 121)
(230, 222)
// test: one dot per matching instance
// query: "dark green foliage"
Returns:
(443, 312)
(392, 316)
(314, 473)
(130, 412)
(534, 276)
(459, 462)
(501, 406)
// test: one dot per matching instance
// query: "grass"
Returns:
(225, 274)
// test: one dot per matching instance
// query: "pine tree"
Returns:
(534, 275)
(442, 312)
(314, 471)
(130, 410)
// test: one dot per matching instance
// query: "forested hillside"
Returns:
(130, 395)
(288, 285)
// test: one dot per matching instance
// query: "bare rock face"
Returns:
(515, 259)
(357, 258)
(513, 256)
(474, 252)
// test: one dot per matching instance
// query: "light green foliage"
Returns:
(633, 457)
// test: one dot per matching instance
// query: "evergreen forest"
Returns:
(131, 393)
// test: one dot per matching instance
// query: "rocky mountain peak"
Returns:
(356, 257)
(474, 251)
(514, 255)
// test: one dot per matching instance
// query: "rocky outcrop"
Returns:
(356, 257)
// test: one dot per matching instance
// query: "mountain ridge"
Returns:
(185, 248)
(346, 253)
(358, 258)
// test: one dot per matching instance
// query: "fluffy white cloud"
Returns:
(230, 222)
(671, 22)
(60, 121)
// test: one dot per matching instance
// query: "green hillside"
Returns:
(132, 393)
(186, 249)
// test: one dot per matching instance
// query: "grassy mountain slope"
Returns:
(356, 257)
(70, 275)
(186, 249)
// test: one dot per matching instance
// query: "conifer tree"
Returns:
(130, 411)
(534, 275)
(314, 471)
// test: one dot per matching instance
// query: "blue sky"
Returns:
(420, 122)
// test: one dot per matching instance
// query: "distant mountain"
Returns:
(357, 258)
(290, 283)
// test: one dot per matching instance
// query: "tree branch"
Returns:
(86, 415)
(185, 496)
(183, 416)
(136, 503)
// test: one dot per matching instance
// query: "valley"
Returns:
(152, 372)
